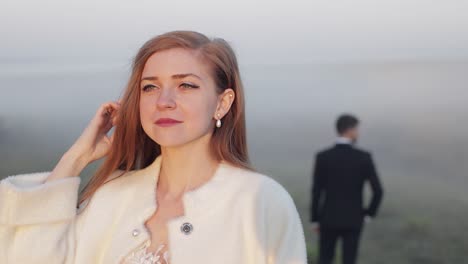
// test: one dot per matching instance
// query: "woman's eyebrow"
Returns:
(183, 75)
(175, 76)
(149, 78)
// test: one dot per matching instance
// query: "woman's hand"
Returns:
(92, 144)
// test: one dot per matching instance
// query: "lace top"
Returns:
(141, 256)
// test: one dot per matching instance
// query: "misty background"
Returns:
(400, 66)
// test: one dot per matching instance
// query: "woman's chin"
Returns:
(170, 142)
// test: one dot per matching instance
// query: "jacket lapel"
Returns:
(140, 202)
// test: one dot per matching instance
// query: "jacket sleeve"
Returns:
(38, 219)
(280, 227)
(376, 187)
(316, 189)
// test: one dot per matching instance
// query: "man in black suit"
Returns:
(337, 208)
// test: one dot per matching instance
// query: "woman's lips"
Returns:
(165, 122)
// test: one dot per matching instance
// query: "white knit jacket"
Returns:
(238, 216)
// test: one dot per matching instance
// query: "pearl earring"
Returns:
(218, 122)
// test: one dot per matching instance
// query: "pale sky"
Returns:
(262, 32)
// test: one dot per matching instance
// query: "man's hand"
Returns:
(367, 219)
(315, 227)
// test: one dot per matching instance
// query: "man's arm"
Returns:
(317, 189)
(376, 187)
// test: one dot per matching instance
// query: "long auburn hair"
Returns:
(132, 149)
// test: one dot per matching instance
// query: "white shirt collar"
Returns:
(344, 140)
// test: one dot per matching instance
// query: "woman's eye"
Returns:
(148, 87)
(189, 85)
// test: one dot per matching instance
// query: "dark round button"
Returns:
(186, 228)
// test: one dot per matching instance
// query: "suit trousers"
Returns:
(349, 244)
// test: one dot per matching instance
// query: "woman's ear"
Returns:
(225, 102)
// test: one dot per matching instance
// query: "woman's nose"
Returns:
(166, 99)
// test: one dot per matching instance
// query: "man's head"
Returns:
(347, 126)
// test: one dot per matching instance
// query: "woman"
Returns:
(176, 185)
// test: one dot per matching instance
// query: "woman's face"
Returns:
(178, 98)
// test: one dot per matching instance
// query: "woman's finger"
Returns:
(108, 109)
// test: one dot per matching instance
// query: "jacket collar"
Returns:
(195, 201)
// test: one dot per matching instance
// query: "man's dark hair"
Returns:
(346, 122)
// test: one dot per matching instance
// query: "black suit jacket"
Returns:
(339, 176)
